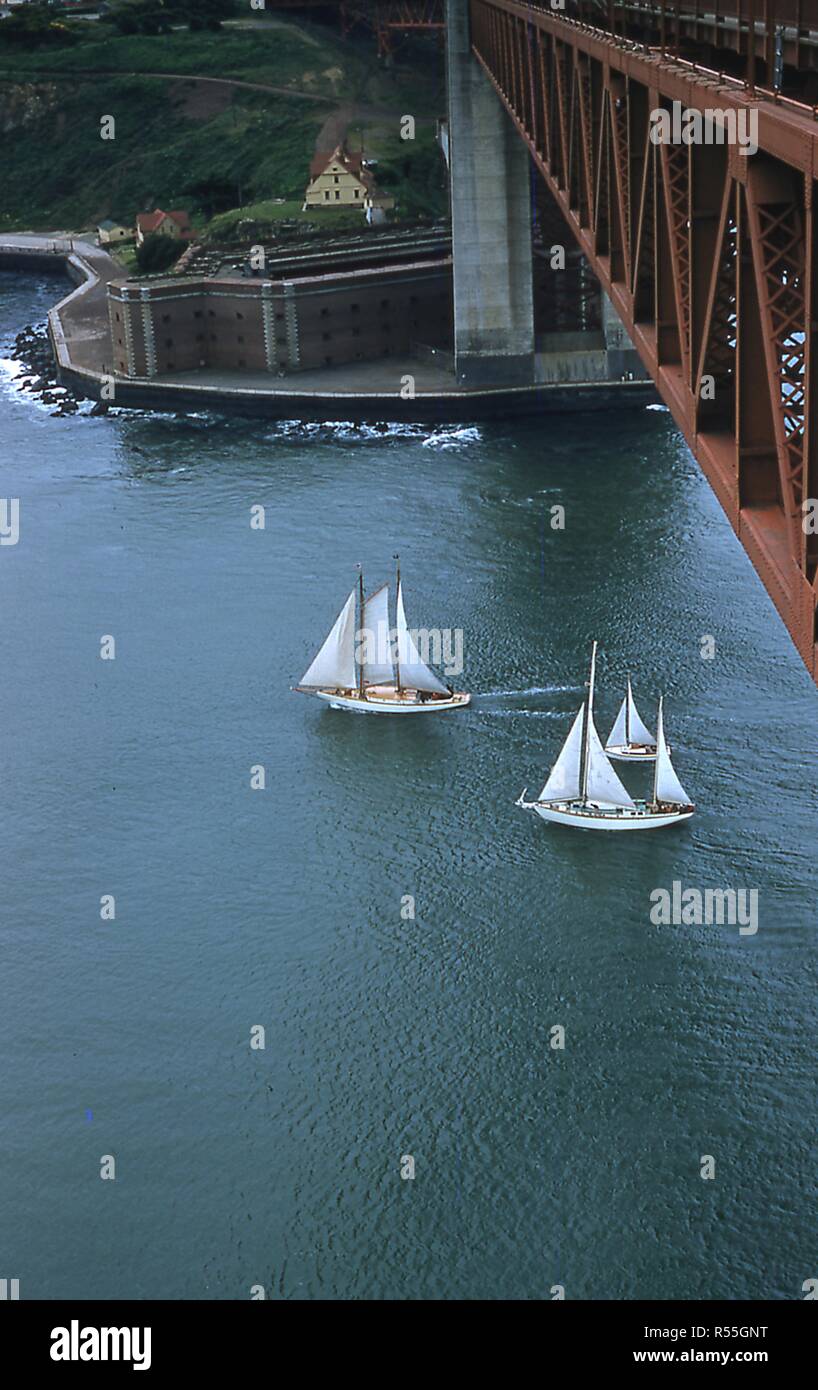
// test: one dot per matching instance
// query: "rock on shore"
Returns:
(32, 348)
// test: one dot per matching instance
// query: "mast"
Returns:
(628, 712)
(361, 630)
(589, 714)
(397, 644)
(659, 739)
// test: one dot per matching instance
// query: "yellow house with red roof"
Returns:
(340, 179)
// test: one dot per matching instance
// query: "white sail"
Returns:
(602, 784)
(563, 781)
(637, 731)
(666, 785)
(414, 673)
(376, 647)
(618, 736)
(334, 666)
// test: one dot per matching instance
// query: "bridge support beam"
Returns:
(491, 224)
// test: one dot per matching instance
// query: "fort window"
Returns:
(327, 361)
(326, 337)
(384, 303)
(355, 308)
(325, 313)
(279, 317)
(117, 318)
(166, 318)
(337, 195)
(211, 313)
(197, 313)
(168, 342)
(326, 196)
(238, 315)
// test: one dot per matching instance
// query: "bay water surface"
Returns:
(385, 1035)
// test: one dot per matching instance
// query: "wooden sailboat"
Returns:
(630, 741)
(584, 790)
(361, 668)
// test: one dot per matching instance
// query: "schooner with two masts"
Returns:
(392, 679)
(630, 741)
(584, 790)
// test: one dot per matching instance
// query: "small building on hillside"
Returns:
(341, 179)
(109, 233)
(158, 223)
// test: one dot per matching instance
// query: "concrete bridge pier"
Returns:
(491, 224)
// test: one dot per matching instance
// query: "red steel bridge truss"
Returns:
(708, 254)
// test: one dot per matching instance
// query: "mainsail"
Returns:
(666, 785)
(628, 727)
(414, 673)
(564, 780)
(376, 646)
(602, 785)
(334, 666)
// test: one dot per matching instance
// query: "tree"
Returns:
(157, 253)
(160, 16)
(34, 25)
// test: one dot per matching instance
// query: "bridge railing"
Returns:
(766, 45)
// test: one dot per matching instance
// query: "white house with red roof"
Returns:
(158, 223)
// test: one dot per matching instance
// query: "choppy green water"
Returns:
(388, 1037)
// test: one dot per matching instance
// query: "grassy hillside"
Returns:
(58, 172)
(301, 56)
(204, 147)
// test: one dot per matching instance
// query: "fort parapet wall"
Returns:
(231, 323)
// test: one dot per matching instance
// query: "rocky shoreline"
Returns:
(32, 349)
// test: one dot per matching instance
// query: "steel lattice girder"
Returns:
(707, 253)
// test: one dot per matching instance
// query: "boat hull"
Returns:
(596, 818)
(382, 701)
(630, 753)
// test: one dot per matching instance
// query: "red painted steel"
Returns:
(402, 16)
(706, 250)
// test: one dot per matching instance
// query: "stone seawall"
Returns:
(367, 392)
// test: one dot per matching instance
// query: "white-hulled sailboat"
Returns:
(630, 741)
(359, 667)
(584, 790)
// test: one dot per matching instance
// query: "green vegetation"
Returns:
(258, 221)
(159, 16)
(36, 26)
(257, 146)
(157, 253)
(413, 171)
(222, 153)
(300, 57)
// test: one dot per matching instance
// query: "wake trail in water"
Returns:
(523, 694)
